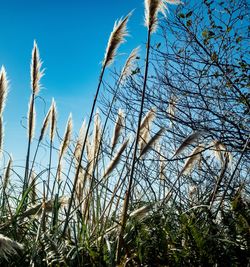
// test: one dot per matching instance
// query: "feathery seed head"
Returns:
(129, 64)
(67, 136)
(188, 141)
(152, 8)
(192, 159)
(80, 140)
(113, 163)
(117, 129)
(152, 141)
(1, 134)
(3, 88)
(6, 177)
(117, 37)
(36, 72)
(31, 119)
(147, 120)
(33, 193)
(8, 247)
(96, 134)
(45, 125)
(53, 119)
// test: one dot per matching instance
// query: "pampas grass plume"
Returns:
(31, 118)
(116, 158)
(117, 37)
(152, 8)
(129, 64)
(149, 145)
(45, 125)
(8, 247)
(192, 159)
(67, 136)
(147, 120)
(3, 89)
(53, 118)
(117, 129)
(187, 141)
(36, 72)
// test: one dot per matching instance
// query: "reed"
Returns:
(53, 122)
(116, 38)
(36, 74)
(114, 162)
(3, 96)
(4, 84)
(8, 247)
(119, 124)
(152, 8)
(62, 150)
(120, 201)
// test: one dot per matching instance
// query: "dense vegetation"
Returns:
(159, 175)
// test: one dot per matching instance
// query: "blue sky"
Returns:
(72, 37)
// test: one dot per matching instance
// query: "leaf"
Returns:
(205, 33)
(181, 15)
(188, 141)
(189, 14)
(189, 23)
(211, 34)
(238, 40)
(191, 160)
(214, 56)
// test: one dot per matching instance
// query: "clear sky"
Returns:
(72, 37)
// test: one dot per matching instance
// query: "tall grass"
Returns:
(115, 196)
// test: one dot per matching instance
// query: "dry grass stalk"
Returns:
(187, 141)
(31, 119)
(46, 205)
(145, 128)
(1, 133)
(144, 138)
(88, 149)
(96, 134)
(53, 118)
(66, 138)
(33, 193)
(116, 159)
(219, 150)
(79, 187)
(147, 120)
(152, 8)
(140, 213)
(6, 176)
(8, 247)
(150, 144)
(192, 159)
(162, 165)
(79, 141)
(119, 124)
(3, 89)
(129, 64)
(36, 72)
(59, 171)
(172, 108)
(192, 191)
(45, 125)
(117, 37)
(3, 96)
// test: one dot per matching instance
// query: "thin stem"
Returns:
(128, 192)
(82, 152)
(30, 123)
